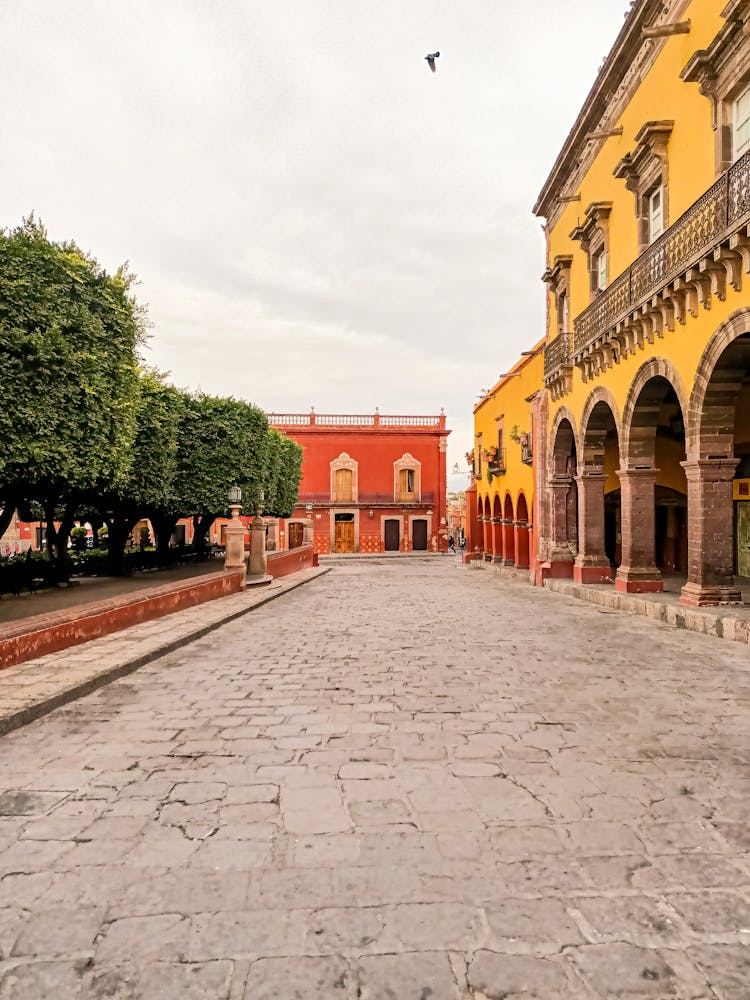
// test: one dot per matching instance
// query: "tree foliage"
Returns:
(87, 431)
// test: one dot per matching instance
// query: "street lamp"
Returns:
(235, 496)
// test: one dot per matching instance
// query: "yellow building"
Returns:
(642, 458)
(500, 500)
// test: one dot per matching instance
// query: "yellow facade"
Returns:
(505, 486)
(647, 210)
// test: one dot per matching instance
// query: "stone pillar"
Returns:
(591, 565)
(497, 540)
(560, 556)
(234, 557)
(258, 563)
(308, 532)
(638, 573)
(486, 537)
(509, 543)
(711, 542)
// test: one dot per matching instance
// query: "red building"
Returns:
(370, 483)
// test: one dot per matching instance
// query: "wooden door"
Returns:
(392, 536)
(419, 536)
(743, 537)
(344, 538)
(343, 486)
(295, 534)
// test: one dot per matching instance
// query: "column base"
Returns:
(498, 560)
(645, 581)
(488, 557)
(697, 596)
(556, 569)
(596, 573)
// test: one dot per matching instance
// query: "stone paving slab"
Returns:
(406, 782)
(35, 687)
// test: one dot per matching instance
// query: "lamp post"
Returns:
(258, 562)
(234, 557)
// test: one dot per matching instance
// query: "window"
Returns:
(563, 312)
(741, 123)
(655, 213)
(599, 271)
(406, 482)
(344, 485)
(479, 456)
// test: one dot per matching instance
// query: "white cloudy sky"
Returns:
(315, 218)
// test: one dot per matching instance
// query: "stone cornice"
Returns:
(651, 141)
(629, 50)
(595, 217)
(563, 262)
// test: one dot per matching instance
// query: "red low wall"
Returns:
(284, 563)
(49, 633)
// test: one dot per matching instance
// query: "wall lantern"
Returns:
(372, 513)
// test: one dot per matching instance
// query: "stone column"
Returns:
(559, 555)
(486, 537)
(591, 565)
(638, 573)
(509, 542)
(497, 540)
(258, 564)
(234, 557)
(710, 537)
(308, 532)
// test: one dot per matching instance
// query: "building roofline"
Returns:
(512, 372)
(607, 80)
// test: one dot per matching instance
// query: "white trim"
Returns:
(405, 463)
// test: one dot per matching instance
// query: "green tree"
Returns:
(69, 332)
(284, 473)
(148, 487)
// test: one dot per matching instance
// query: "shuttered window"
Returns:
(742, 123)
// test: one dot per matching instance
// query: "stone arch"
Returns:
(522, 531)
(710, 411)
(497, 529)
(562, 440)
(593, 411)
(509, 534)
(487, 529)
(634, 437)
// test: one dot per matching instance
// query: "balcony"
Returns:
(496, 463)
(693, 260)
(558, 367)
(426, 499)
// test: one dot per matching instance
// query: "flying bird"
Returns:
(431, 57)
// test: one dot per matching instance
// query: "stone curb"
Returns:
(717, 623)
(30, 713)
(508, 572)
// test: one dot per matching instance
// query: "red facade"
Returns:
(370, 483)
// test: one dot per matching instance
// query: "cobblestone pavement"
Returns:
(405, 781)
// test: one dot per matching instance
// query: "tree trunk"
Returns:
(6, 515)
(118, 529)
(201, 527)
(163, 525)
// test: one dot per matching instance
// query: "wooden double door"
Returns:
(343, 536)
(419, 535)
(392, 535)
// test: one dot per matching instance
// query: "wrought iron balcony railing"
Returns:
(322, 499)
(556, 354)
(713, 217)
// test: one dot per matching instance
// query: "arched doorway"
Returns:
(562, 497)
(487, 530)
(509, 534)
(597, 478)
(718, 468)
(652, 478)
(522, 533)
(497, 530)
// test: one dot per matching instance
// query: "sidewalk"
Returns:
(31, 689)
(732, 623)
(96, 588)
